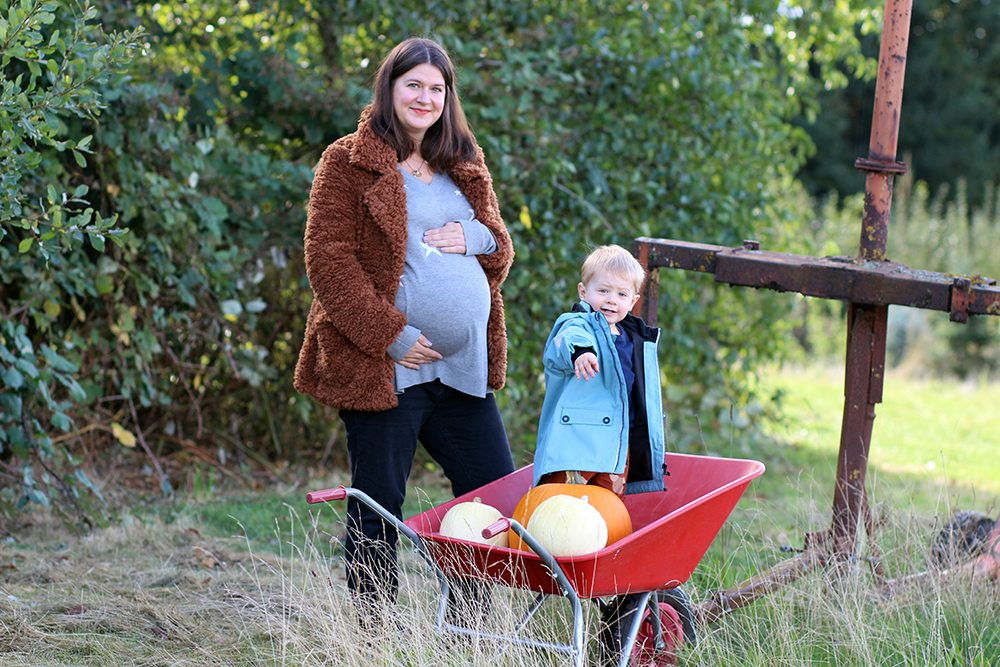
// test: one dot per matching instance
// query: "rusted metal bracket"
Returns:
(880, 166)
(960, 288)
(971, 296)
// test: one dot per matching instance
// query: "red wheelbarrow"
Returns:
(672, 530)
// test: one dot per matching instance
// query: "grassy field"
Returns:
(227, 577)
(934, 443)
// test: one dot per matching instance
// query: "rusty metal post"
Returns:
(866, 327)
(649, 300)
(865, 370)
(881, 164)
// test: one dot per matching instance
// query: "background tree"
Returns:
(601, 121)
(949, 127)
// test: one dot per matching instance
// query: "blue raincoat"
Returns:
(584, 423)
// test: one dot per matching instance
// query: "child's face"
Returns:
(609, 295)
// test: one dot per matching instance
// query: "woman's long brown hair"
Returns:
(446, 141)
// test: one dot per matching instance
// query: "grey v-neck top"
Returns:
(445, 296)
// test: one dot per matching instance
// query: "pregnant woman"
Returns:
(405, 252)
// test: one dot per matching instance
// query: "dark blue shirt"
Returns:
(623, 344)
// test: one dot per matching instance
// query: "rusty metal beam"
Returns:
(677, 254)
(844, 278)
(787, 572)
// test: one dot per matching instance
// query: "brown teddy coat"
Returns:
(355, 249)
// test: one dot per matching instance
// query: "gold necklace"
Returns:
(415, 172)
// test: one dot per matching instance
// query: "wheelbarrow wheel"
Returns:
(676, 626)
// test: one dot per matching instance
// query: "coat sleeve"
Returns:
(558, 356)
(343, 289)
(497, 264)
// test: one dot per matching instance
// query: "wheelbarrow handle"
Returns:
(342, 492)
(502, 525)
(326, 495)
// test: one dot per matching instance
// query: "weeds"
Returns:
(228, 578)
(152, 593)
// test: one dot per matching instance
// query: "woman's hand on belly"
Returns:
(448, 238)
(420, 353)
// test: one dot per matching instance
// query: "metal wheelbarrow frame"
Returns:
(672, 530)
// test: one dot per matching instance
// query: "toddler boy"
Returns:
(602, 417)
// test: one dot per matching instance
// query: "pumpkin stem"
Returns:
(574, 477)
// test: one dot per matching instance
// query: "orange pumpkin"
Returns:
(606, 502)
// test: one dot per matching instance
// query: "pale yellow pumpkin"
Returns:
(465, 521)
(607, 503)
(568, 526)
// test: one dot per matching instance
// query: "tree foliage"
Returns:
(948, 127)
(52, 67)
(601, 121)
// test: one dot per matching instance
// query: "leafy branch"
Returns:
(39, 389)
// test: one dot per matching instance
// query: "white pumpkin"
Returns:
(568, 526)
(466, 521)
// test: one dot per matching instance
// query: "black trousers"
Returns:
(464, 434)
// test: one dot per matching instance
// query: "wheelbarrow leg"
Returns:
(623, 622)
(578, 657)
(633, 629)
(533, 608)
(442, 603)
(557, 572)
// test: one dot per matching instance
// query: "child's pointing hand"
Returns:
(586, 366)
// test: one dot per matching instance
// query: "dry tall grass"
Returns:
(149, 593)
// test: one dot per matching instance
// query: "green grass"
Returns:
(229, 576)
(934, 442)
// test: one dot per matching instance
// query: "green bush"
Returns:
(51, 235)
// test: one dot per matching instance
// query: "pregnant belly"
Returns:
(451, 311)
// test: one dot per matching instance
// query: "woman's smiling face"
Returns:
(418, 98)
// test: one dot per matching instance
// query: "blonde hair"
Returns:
(615, 260)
